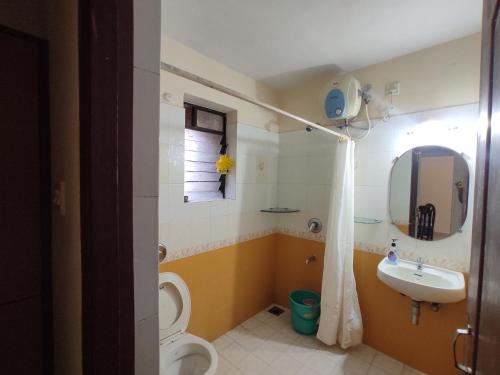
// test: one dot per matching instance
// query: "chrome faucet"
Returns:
(420, 263)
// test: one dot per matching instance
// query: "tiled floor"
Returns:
(266, 344)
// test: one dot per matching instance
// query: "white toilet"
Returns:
(180, 353)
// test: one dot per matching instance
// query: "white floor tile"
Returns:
(225, 367)
(323, 363)
(252, 324)
(388, 364)
(235, 353)
(222, 342)
(237, 333)
(268, 352)
(252, 365)
(267, 345)
(355, 366)
(364, 352)
(286, 365)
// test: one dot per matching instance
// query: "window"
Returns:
(204, 142)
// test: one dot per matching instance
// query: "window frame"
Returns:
(190, 122)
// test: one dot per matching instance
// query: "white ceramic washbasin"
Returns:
(430, 284)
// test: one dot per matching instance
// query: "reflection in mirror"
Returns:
(429, 192)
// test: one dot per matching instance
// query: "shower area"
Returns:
(327, 188)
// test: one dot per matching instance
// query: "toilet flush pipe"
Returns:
(205, 82)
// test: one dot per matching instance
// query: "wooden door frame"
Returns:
(45, 194)
(106, 98)
(490, 12)
(413, 192)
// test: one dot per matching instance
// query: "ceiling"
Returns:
(281, 41)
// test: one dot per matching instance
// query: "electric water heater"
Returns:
(343, 99)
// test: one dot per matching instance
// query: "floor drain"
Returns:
(275, 310)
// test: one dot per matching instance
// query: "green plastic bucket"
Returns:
(305, 308)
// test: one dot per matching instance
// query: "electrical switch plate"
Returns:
(392, 88)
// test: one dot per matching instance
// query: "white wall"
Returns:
(224, 222)
(305, 169)
(194, 227)
(175, 89)
(147, 27)
(439, 86)
(437, 77)
(306, 165)
(454, 128)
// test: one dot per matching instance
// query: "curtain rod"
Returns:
(205, 82)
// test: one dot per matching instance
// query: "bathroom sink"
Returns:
(430, 284)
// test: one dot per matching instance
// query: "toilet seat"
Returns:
(174, 306)
(181, 353)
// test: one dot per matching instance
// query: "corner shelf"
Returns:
(280, 210)
(366, 220)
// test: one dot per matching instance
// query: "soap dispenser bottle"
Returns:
(392, 253)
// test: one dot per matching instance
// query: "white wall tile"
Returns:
(176, 164)
(147, 359)
(146, 133)
(318, 198)
(147, 35)
(146, 124)
(292, 195)
(373, 168)
(145, 256)
(306, 163)
(251, 187)
(294, 170)
(163, 168)
(163, 203)
(175, 124)
(371, 201)
(164, 122)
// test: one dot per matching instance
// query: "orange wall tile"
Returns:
(227, 285)
(291, 272)
(231, 284)
(387, 325)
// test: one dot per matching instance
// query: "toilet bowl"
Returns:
(181, 353)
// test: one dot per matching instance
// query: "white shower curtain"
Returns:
(340, 320)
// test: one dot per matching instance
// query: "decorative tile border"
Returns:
(214, 245)
(320, 237)
(412, 256)
(362, 246)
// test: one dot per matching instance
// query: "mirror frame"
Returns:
(395, 160)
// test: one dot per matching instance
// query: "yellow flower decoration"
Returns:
(224, 164)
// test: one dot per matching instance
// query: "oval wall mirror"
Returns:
(429, 189)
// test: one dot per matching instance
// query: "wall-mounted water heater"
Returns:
(343, 99)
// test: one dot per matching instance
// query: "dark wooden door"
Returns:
(483, 333)
(25, 300)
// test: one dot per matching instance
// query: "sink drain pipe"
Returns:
(415, 312)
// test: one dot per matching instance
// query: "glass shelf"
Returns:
(280, 210)
(366, 220)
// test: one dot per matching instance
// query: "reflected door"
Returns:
(483, 333)
(25, 300)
